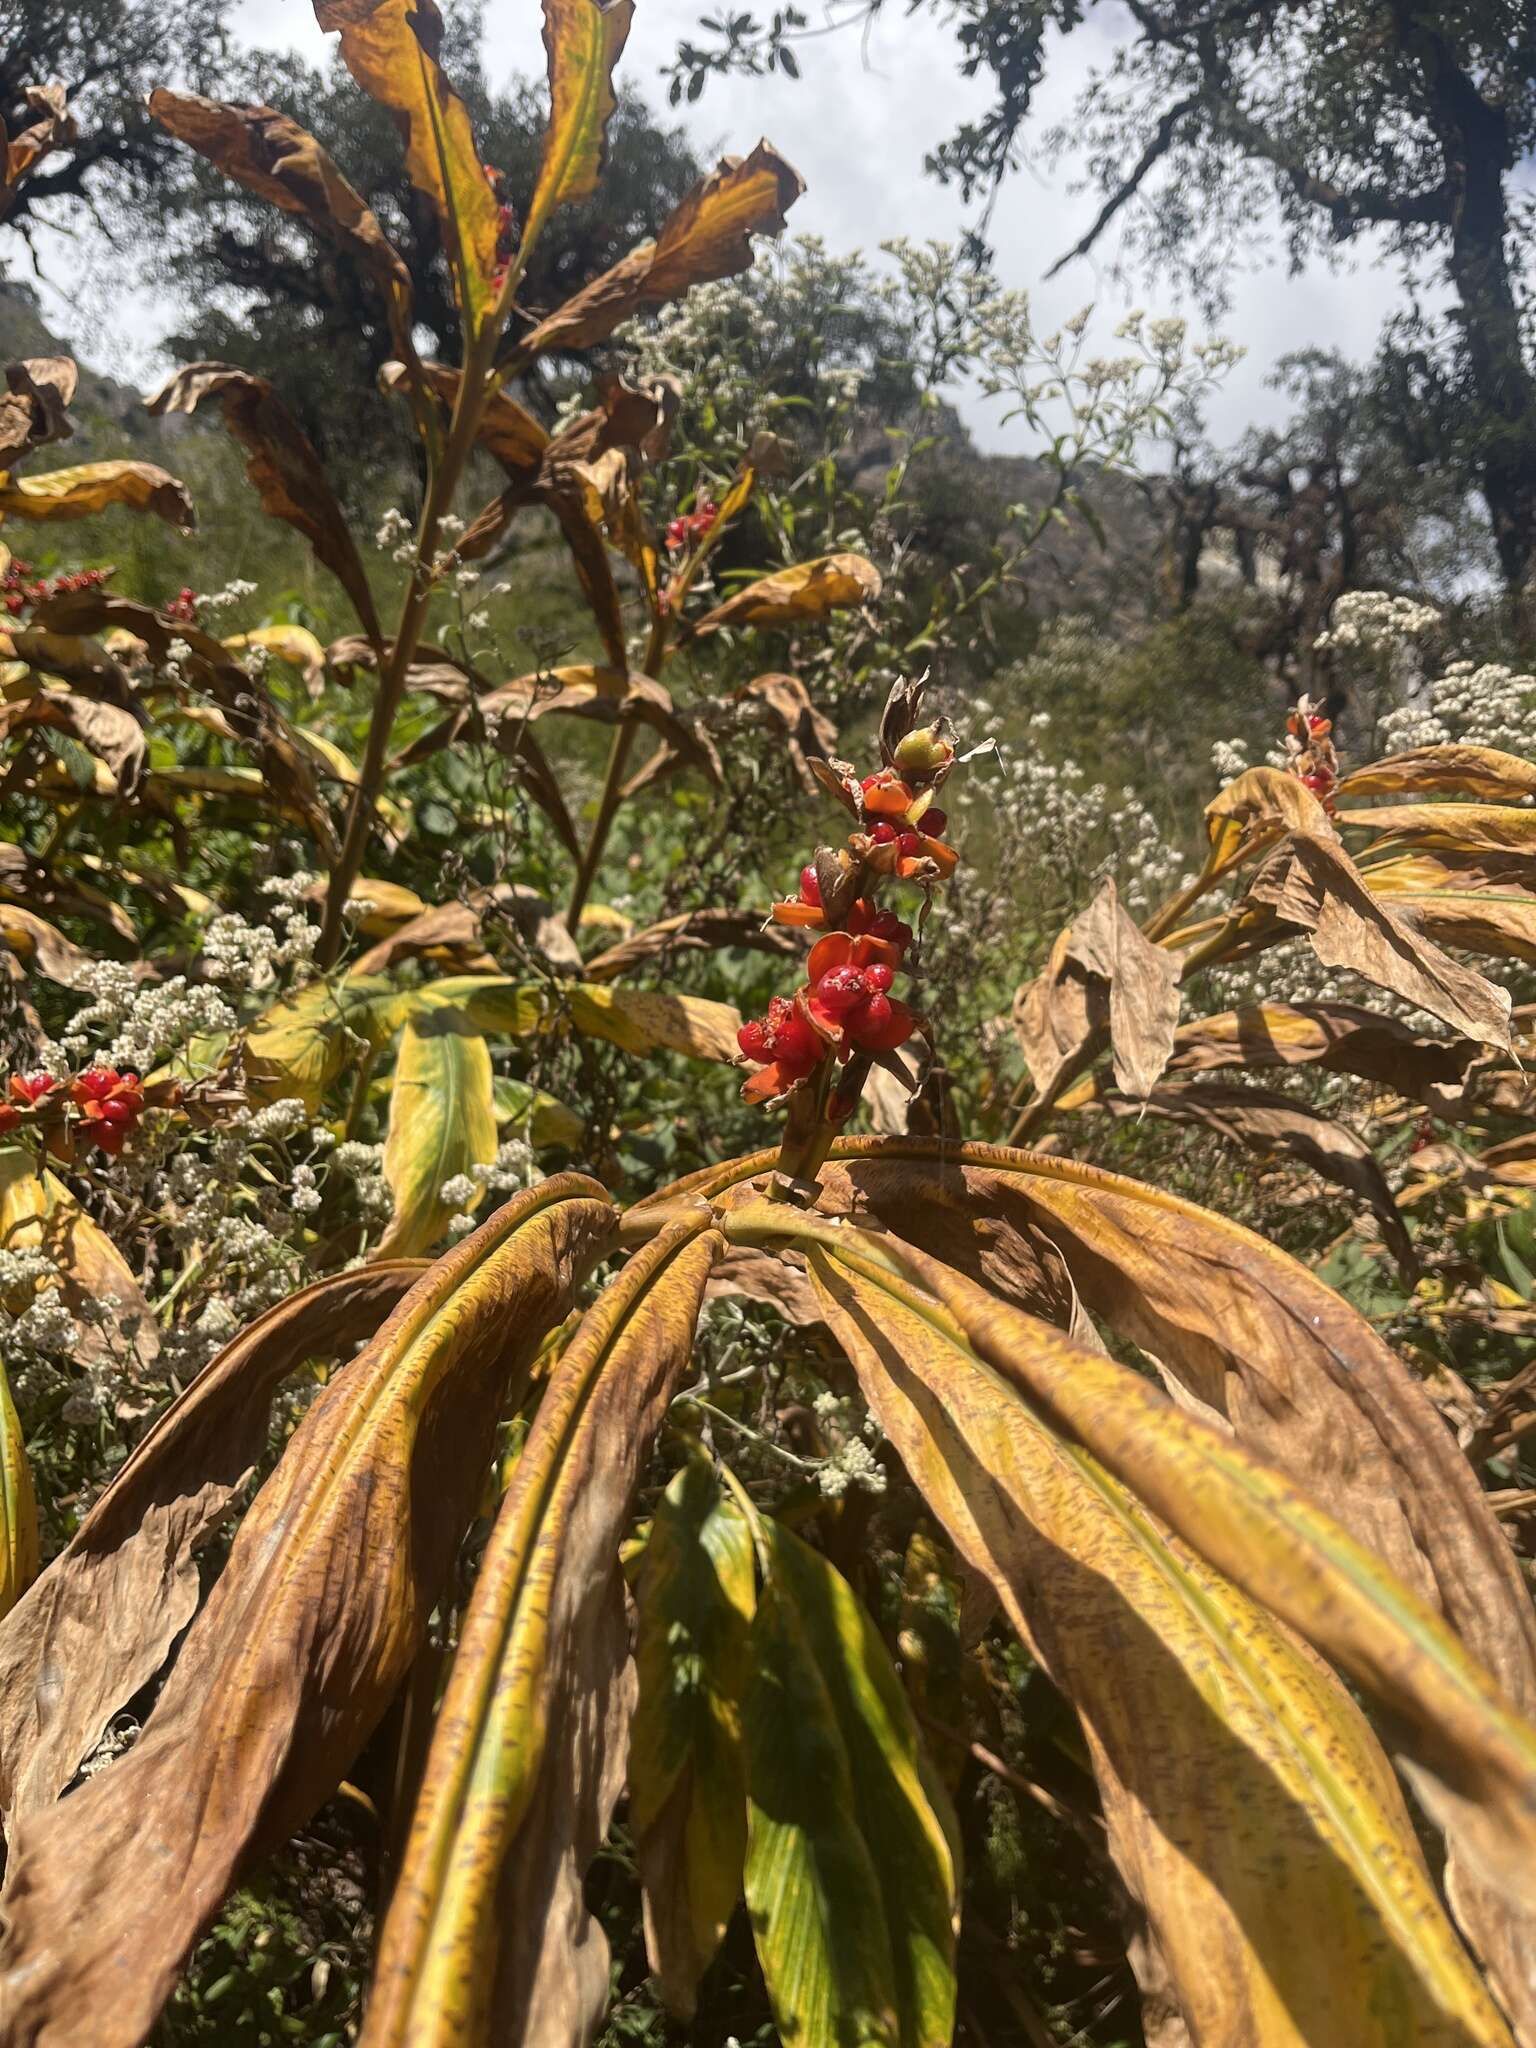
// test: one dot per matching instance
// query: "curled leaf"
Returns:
(583, 42)
(708, 236)
(808, 591)
(350, 1542)
(281, 463)
(280, 161)
(92, 487)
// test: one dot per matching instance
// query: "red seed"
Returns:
(840, 990)
(878, 979)
(885, 834)
(810, 888)
(753, 1039)
(934, 822)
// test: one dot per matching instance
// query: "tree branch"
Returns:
(1162, 141)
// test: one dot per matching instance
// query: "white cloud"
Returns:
(857, 125)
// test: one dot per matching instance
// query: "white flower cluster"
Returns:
(234, 592)
(508, 1173)
(1377, 620)
(1230, 759)
(249, 958)
(394, 536)
(1485, 704)
(851, 1462)
(134, 1024)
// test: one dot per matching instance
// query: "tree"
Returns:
(106, 54)
(270, 296)
(1356, 118)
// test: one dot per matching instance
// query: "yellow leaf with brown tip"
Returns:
(583, 42)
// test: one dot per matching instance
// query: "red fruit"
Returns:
(810, 888)
(888, 926)
(881, 1025)
(794, 1039)
(15, 603)
(110, 1105)
(1319, 781)
(31, 1088)
(753, 1039)
(885, 834)
(934, 822)
(910, 845)
(878, 979)
(840, 990)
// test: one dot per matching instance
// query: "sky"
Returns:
(857, 125)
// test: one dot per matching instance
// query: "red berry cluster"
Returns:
(845, 1006)
(506, 228)
(107, 1106)
(1309, 751)
(20, 594)
(182, 607)
(688, 528)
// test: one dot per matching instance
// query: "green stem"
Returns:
(613, 785)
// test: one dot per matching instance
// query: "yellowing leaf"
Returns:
(391, 48)
(294, 644)
(38, 1213)
(687, 1773)
(707, 237)
(1248, 1806)
(442, 1121)
(583, 41)
(91, 487)
(808, 591)
(1458, 828)
(18, 1505)
(641, 1020)
(1469, 771)
(851, 1874)
(315, 1619)
(300, 1045)
(487, 1935)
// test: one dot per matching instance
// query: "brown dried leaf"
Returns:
(708, 931)
(281, 463)
(1470, 771)
(707, 237)
(1340, 1037)
(488, 1929)
(1266, 1122)
(105, 730)
(33, 413)
(807, 591)
(348, 1544)
(808, 733)
(1102, 976)
(1312, 883)
(111, 1604)
(1458, 828)
(280, 161)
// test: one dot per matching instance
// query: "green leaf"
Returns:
(18, 1506)
(851, 1874)
(442, 1121)
(687, 1770)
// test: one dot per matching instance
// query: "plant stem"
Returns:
(613, 784)
(468, 406)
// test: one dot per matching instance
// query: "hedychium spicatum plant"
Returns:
(1242, 1546)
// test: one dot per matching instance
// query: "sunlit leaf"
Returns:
(488, 1936)
(18, 1505)
(583, 42)
(92, 487)
(1467, 771)
(442, 1121)
(707, 237)
(351, 1541)
(1103, 977)
(808, 591)
(391, 47)
(1247, 1804)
